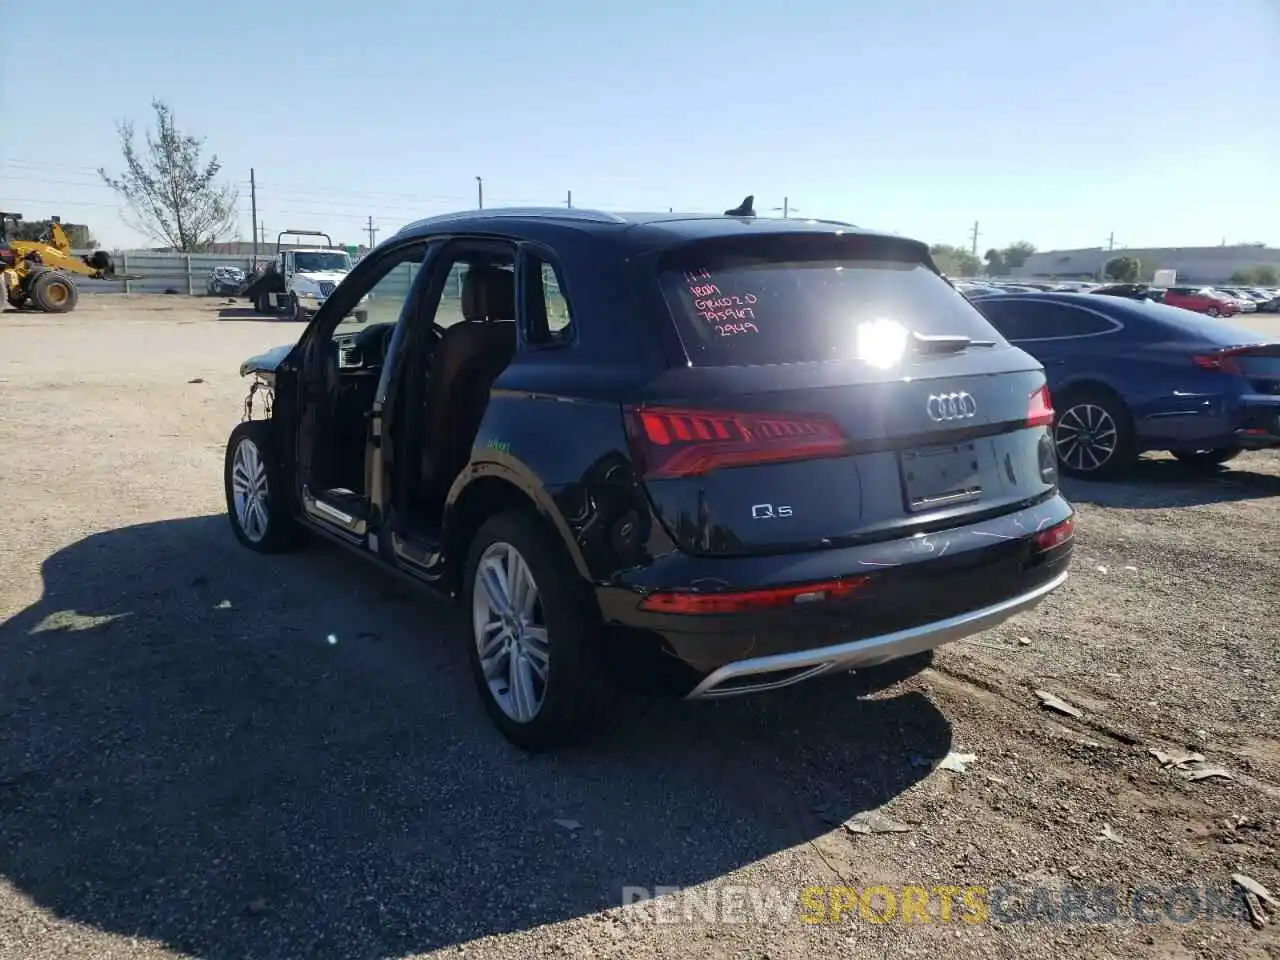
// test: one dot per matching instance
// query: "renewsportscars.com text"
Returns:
(968, 904)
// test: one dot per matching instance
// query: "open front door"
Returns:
(347, 352)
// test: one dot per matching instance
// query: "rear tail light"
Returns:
(1223, 362)
(684, 602)
(1054, 536)
(676, 442)
(1040, 409)
(1226, 360)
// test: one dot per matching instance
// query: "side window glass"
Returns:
(1057, 320)
(550, 319)
(1006, 318)
(557, 307)
(1089, 323)
(449, 309)
(384, 300)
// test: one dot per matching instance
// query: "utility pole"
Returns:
(569, 200)
(480, 192)
(1111, 241)
(973, 235)
(253, 212)
(373, 232)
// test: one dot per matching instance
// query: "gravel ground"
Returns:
(212, 753)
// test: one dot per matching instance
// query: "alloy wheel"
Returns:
(249, 490)
(1085, 437)
(510, 632)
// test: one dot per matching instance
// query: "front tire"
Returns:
(1213, 312)
(1093, 436)
(534, 623)
(54, 293)
(256, 503)
(1206, 459)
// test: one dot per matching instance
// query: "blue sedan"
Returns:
(1127, 377)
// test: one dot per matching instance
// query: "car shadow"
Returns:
(1156, 484)
(241, 755)
(249, 313)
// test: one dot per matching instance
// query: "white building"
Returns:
(1194, 264)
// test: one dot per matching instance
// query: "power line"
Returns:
(64, 203)
(319, 197)
(315, 201)
(41, 165)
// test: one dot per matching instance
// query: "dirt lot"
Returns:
(208, 752)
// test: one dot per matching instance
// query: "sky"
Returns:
(1067, 125)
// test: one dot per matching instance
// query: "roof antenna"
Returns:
(747, 209)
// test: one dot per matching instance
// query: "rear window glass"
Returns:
(805, 302)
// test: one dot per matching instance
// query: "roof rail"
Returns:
(549, 213)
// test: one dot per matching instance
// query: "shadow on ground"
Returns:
(262, 756)
(249, 313)
(1154, 484)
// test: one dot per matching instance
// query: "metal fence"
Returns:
(180, 272)
(188, 273)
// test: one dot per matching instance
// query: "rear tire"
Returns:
(257, 505)
(1207, 459)
(532, 655)
(53, 292)
(1093, 435)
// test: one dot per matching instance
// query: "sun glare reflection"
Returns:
(881, 343)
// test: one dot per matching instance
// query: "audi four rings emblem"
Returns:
(943, 407)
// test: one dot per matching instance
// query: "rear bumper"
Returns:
(917, 592)
(784, 669)
(1258, 422)
(1249, 421)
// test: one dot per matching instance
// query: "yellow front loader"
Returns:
(40, 273)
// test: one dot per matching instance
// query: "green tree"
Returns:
(1261, 276)
(174, 196)
(955, 261)
(1016, 254)
(996, 267)
(1123, 269)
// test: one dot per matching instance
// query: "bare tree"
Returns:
(173, 195)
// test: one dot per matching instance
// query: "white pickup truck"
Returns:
(299, 279)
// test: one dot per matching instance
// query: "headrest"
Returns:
(489, 293)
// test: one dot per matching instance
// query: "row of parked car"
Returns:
(1211, 301)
